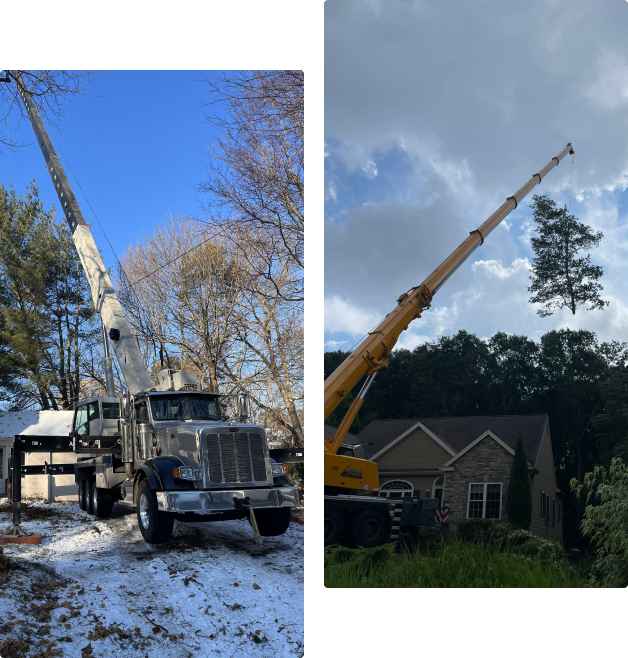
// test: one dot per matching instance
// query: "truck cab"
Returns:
(172, 454)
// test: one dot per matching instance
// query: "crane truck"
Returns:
(165, 448)
(354, 512)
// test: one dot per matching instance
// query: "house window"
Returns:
(559, 511)
(396, 489)
(542, 503)
(485, 500)
(553, 512)
(437, 489)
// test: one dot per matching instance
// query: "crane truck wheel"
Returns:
(155, 526)
(334, 526)
(371, 528)
(89, 496)
(102, 502)
(81, 495)
(272, 522)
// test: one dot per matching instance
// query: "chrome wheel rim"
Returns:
(144, 510)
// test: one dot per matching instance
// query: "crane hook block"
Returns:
(114, 334)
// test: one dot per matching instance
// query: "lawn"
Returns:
(455, 564)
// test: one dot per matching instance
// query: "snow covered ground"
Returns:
(95, 588)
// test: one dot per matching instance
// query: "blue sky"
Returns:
(137, 146)
(434, 114)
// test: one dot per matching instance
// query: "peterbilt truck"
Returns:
(165, 448)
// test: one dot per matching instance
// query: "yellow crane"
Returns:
(347, 477)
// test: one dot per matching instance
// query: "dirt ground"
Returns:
(95, 588)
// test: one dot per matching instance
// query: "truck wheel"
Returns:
(102, 503)
(89, 496)
(155, 526)
(371, 529)
(334, 526)
(272, 522)
(81, 495)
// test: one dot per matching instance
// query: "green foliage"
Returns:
(45, 304)
(484, 531)
(458, 564)
(606, 519)
(560, 277)
(565, 375)
(519, 495)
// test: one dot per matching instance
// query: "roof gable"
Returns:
(484, 435)
(459, 432)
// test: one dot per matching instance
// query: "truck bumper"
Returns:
(209, 502)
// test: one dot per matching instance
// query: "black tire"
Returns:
(101, 502)
(155, 526)
(371, 528)
(81, 495)
(272, 522)
(335, 526)
(89, 493)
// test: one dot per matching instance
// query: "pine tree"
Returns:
(519, 496)
(560, 277)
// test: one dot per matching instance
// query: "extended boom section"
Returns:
(134, 370)
(371, 355)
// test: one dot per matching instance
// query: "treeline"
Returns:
(580, 382)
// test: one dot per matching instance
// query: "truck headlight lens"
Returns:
(187, 473)
(278, 469)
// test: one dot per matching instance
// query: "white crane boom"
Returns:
(134, 371)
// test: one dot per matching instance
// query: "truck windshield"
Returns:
(185, 407)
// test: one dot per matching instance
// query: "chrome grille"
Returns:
(235, 457)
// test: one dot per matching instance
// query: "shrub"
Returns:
(484, 531)
(605, 519)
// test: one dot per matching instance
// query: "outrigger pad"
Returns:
(16, 535)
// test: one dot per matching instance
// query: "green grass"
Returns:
(457, 564)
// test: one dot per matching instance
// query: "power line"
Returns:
(130, 285)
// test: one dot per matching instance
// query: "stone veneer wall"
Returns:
(486, 462)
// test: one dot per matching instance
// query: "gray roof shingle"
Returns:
(460, 432)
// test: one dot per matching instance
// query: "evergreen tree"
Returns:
(519, 497)
(561, 278)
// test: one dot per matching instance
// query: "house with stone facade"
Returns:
(465, 463)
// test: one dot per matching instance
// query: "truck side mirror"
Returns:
(125, 407)
(243, 406)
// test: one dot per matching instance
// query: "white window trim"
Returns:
(485, 485)
(385, 491)
(440, 486)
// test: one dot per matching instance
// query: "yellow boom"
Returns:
(371, 355)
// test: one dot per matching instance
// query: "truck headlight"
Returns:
(187, 473)
(278, 469)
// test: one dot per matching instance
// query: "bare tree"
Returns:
(256, 167)
(49, 90)
(269, 329)
(182, 291)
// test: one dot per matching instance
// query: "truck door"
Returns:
(81, 422)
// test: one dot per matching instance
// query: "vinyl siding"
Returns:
(417, 450)
(545, 480)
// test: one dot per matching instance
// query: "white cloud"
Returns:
(494, 268)
(344, 317)
(370, 169)
(335, 344)
(489, 91)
